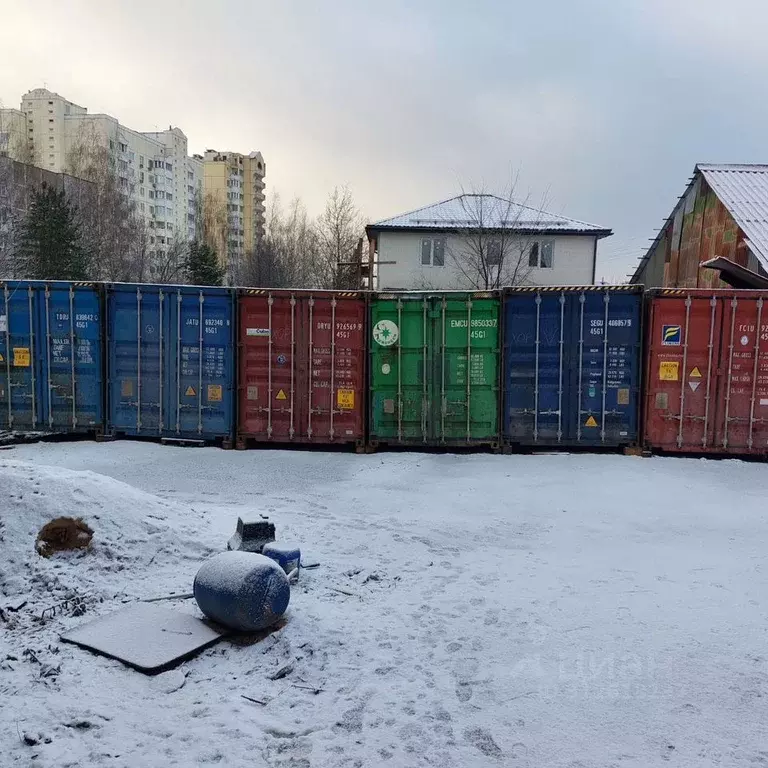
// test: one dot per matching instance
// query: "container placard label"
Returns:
(281, 395)
(126, 388)
(190, 391)
(695, 373)
(671, 335)
(669, 370)
(345, 399)
(622, 396)
(590, 422)
(21, 357)
(386, 333)
(257, 332)
(252, 393)
(214, 393)
(3, 324)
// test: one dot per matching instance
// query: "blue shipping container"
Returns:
(43, 386)
(171, 361)
(572, 361)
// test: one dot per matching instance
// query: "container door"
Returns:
(684, 347)
(200, 376)
(138, 326)
(19, 375)
(271, 377)
(464, 392)
(537, 371)
(604, 366)
(400, 358)
(70, 318)
(334, 338)
(742, 403)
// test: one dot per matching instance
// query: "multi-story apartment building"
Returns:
(233, 187)
(152, 168)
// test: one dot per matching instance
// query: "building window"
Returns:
(141, 161)
(541, 254)
(141, 191)
(433, 251)
(493, 253)
(151, 195)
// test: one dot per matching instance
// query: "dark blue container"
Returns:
(170, 361)
(51, 358)
(572, 360)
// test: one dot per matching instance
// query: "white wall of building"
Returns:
(572, 263)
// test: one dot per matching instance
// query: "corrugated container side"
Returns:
(71, 345)
(301, 371)
(707, 372)
(572, 366)
(171, 361)
(20, 380)
(43, 385)
(434, 373)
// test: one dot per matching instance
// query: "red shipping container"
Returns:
(301, 367)
(706, 371)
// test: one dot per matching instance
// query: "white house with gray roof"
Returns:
(482, 241)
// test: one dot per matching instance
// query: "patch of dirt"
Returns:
(62, 534)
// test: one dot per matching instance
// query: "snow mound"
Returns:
(133, 541)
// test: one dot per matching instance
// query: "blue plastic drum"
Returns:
(242, 590)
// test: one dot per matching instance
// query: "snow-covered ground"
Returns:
(554, 610)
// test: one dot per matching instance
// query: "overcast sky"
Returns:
(601, 107)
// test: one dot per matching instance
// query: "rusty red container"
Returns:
(706, 371)
(301, 369)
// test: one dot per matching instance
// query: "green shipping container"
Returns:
(434, 372)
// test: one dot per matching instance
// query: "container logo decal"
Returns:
(345, 399)
(281, 359)
(214, 393)
(257, 332)
(744, 341)
(21, 357)
(386, 368)
(669, 370)
(671, 335)
(281, 395)
(385, 333)
(590, 422)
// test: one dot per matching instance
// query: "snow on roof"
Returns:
(743, 190)
(489, 211)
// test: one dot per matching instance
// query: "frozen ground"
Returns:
(554, 610)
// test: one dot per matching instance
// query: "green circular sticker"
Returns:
(386, 333)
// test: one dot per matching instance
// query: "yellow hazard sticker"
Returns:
(190, 391)
(695, 373)
(345, 399)
(281, 395)
(2, 359)
(590, 422)
(669, 370)
(21, 357)
(126, 388)
(214, 393)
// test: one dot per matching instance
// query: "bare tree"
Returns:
(112, 230)
(495, 244)
(262, 267)
(339, 229)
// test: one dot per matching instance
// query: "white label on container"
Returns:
(3, 324)
(257, 332)
(622, 434)
(764, 401)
